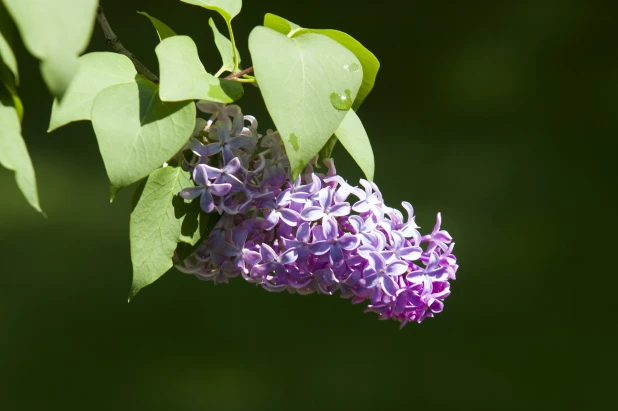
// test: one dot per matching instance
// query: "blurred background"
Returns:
(501, 115)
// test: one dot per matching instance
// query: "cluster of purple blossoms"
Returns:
(315, 234)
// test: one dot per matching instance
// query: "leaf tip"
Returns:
(113, 190)
(132, 293)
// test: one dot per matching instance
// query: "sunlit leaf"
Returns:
(303, 79)
(353, 136)
(160, 220)
(96, 72)
(136, 131)
(183, 76)
(283, 26)
(13, 152)
(8, 80)
(55, 32)
(227, 8)
(224, 45)
(7, 56)
(162, 29)
(368, 60)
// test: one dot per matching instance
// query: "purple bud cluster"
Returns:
(315, 234)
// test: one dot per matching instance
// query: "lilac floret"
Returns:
(317, 234)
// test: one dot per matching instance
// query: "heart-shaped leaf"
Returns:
(159, 221)
(96, 72)
(306, 87)
(136, 131)
(56, 32)
(353, 136)
(368, 61)
(183, 76)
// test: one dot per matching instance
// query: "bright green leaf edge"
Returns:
(297, 78)
(277, 23)
(352, 135)
(227, 8)
(225, 47)
(163, 30)
(368, 60)
(8, 57)
(13, 151)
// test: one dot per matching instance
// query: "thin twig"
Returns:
(115, 43)
(239, 73)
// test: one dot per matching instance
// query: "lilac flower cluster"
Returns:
(315, 234)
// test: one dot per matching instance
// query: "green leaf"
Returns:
(298, 77)
(207, 222)
(159, 221)
(224, 45)
(280, 24)
(327, 150)
(136, 131)
(8, 80)
(13, 152)
(163, 29)
(183, 76)
(227, 8)
(368, 61)
(353, 136)
(7, 56)
(97, 71)
(55, 32)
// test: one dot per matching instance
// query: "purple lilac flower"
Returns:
(205, 188)
(317, 234)
(225, 141)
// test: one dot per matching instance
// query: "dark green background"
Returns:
(502, 115)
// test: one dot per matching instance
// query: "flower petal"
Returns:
(336, 255)
(206, 202)
(303, 233)
(289, 256)
(376, 262)
(348, 241)
(319, 247)
(290, 217)
(242, 142)
(410, 253)
(267, 253)
(396, 268)
(220, 189)
(251, 257)
(325, 197)
(312, 213)
(209, 107)
(190, 193)
(340, 209)
(388, 285)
